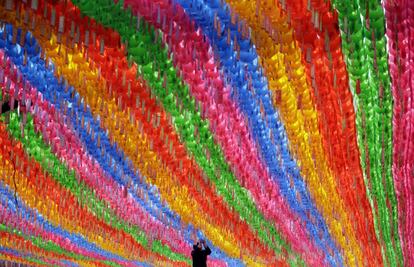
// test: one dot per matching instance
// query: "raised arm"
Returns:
(208, 250)
(193, 252)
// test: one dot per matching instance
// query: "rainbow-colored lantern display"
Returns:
(280, 131)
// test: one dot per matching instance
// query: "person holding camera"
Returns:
(200, 253)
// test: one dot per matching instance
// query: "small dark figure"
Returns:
(6, 107)
(199, 255)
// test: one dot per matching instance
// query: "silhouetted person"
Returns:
(199, 254)
(6, 107)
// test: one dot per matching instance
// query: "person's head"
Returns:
(197, 246)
